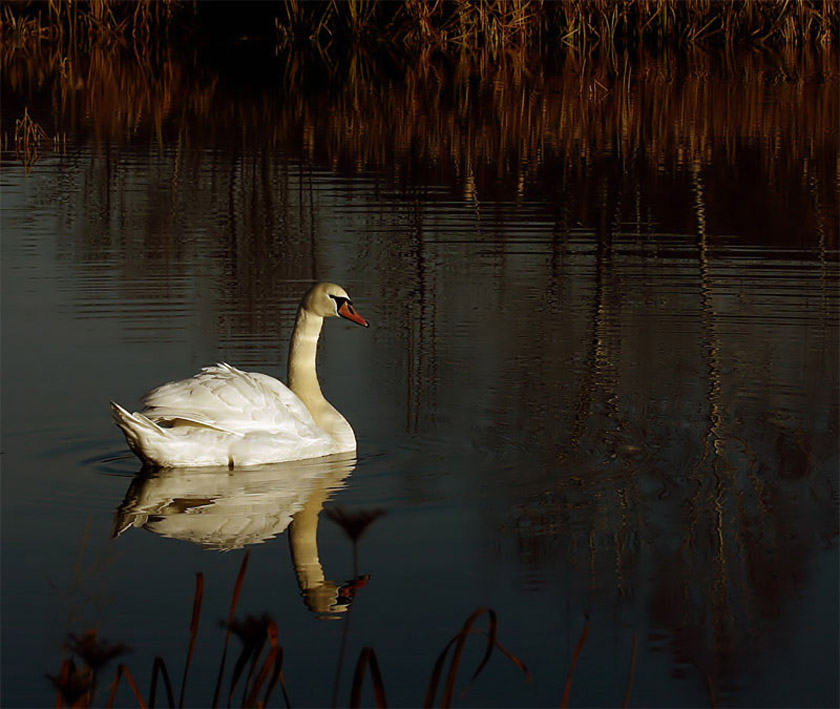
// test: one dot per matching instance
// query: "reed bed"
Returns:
(502, 122)
(30, 139)
(517, 103)
(532, 78)
(485, 122)
(447, 25)
(499, 24)
(87, 24)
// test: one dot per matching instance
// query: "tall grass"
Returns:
(86, 24)
(29, 138)
(418, 25)
(494, 121)
(497, 24)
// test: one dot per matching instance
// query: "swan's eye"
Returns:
(345, 309)
(339, 301)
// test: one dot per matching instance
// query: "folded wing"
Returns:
(226, 399)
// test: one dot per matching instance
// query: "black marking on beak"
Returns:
(344, 308)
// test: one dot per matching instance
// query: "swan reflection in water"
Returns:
(225, 509)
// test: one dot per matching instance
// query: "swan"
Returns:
(223, 416)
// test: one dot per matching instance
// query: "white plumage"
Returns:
(224, 416)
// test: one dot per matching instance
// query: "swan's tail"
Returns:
(141, 433)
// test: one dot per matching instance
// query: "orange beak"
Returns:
(346, 310)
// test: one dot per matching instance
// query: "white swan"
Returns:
(224, 416)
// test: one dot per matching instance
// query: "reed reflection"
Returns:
(530, 117)
(222, 509)
(715, 524)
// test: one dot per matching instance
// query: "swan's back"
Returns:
(223, 416)
(231, 400)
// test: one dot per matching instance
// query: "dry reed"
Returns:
(367, 658)
(527, 113)
(457, 644)
(458, 25)
(77, 687)
(503, 24)
(29, 138)
(567, 691)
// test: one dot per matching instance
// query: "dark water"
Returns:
(601, 379)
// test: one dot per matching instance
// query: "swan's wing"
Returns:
(226, 399)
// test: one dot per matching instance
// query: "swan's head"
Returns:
(329, 300)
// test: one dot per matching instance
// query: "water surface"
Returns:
(600, 382)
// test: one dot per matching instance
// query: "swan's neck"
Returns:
(303, 352)
(303, 379)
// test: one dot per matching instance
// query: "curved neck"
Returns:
(303, 380)
(303, 351)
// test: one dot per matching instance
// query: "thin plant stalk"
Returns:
(159, 668)
(458, 642)
(578, 649)
(237, 589)
(196, 616)
(341, 654)
(367, 658)
(123, 671)
(631, 674)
